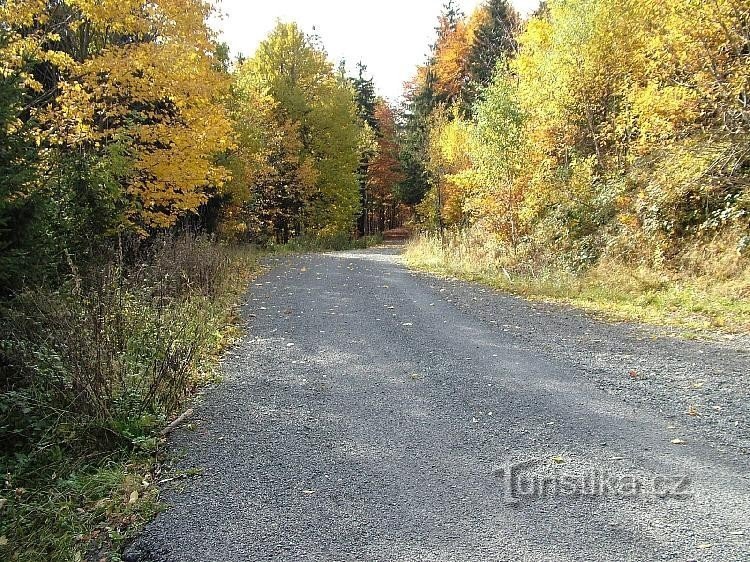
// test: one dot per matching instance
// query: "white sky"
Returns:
(390, 36)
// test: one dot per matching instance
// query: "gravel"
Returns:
(373, 413)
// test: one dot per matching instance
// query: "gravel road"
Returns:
(373, 413)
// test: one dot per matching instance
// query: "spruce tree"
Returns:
(494, 39)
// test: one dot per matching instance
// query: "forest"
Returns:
(596, 151)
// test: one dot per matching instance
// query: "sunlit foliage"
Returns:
(307, 135)
(612, 128)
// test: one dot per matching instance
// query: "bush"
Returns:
(92, 369)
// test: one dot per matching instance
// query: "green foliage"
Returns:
(115, 132)
(305, 117)
(420, 101)
(62, 508)
(494, 39)
(499, 154)
(17, 160)
(330, 243)
(366, 101)
(366, 97)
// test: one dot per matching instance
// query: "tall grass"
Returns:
(89, 372)
(713, 296)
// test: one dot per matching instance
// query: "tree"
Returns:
(17, 163)
(499, 155)
(442, 80)
(450, 63)
(419, 102)
(385, 172)
(366, 98)
(496, 26)
(315, 108)
(112, 77)
(366, 106)
(272, 177)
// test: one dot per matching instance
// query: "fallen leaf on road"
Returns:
(705, 545)
(558, 460)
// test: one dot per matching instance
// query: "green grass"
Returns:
(78, 482)
(68, 508)
(695, 306)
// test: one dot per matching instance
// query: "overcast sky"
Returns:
(390, 36)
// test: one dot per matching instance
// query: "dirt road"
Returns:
(376, 414)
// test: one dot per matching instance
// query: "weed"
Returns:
(89, 373)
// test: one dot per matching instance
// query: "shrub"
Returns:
(89, 371)
(334, 243)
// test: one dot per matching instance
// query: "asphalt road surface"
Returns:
(372, 413)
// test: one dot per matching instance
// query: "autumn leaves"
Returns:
(137, 79)
(608, 129)
(138, 106)
(540, 135)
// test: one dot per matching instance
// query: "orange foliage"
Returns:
(385, 171)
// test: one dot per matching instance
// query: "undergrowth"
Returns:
(89, 374)
(334, 243)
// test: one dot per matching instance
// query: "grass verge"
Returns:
(697, 305)
(92, 370)
(89, 374)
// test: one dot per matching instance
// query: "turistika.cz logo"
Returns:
(538, 479)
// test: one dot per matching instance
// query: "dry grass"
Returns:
(715, 297)
(89, 373)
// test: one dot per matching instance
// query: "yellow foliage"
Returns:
(158, 92)
(621, 126)
(448, 158)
